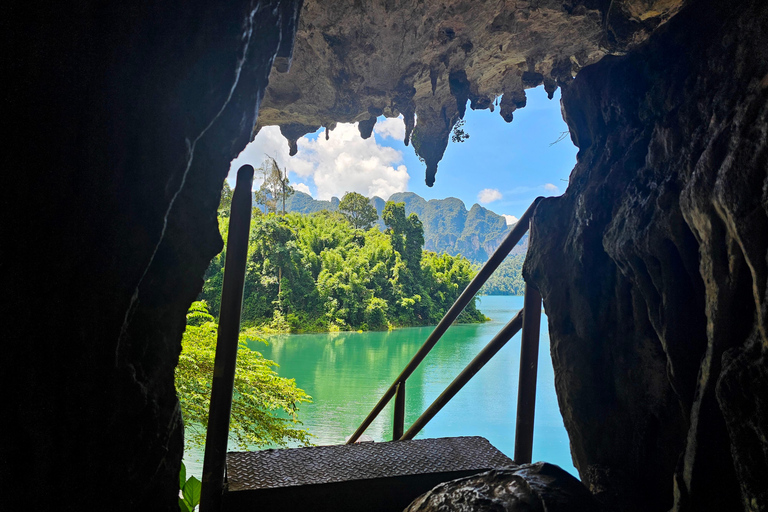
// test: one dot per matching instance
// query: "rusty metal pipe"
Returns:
(485, 355)
(226, 343)
(469, 292)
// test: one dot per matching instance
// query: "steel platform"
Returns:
(360, 477)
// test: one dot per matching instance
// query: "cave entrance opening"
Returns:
(501, 167)
(245, 471)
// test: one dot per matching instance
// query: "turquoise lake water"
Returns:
(346, 374)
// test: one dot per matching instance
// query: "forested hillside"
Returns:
(316, 272)
(448, 225)
(508, 278)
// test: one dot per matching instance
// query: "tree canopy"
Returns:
(275, 188)
(358, 210)
(264, 405)
(448, 225)
(317, 273)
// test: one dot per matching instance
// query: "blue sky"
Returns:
(503, 166)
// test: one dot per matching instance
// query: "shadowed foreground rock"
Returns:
(112, 225)
(124, 118)
(653, 267)
(531, 488)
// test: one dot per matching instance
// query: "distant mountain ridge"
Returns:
(448, 225)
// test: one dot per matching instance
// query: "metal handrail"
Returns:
(509, 242)
(526, 388)
(226, 344)
(229, 326)
(485, 355)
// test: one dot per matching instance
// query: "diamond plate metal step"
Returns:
(366, 476)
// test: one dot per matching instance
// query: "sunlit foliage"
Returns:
(358, 210)
(264, 405)
(508, 278)
(318, 272)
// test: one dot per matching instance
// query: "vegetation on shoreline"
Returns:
(317, 273)
(264, 405)
(508, 278)
(448, 225)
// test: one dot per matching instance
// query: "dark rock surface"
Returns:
(653, 267)
(123, 120)
(538, 487)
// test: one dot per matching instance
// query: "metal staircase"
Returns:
(359, 476)
(371, 477)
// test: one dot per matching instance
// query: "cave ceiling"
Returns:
(356, 60)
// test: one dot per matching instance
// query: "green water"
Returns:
(346, 374)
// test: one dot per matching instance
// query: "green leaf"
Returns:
(183, 506)
(182, 476)
(192, 492)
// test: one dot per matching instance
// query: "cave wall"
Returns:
(123, 119)
(653, 267)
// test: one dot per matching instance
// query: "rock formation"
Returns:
(356, 61)
(539, 487)
(653, 267)
(124, 117)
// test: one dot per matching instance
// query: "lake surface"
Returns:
(346, 373)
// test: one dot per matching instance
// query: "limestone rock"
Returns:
(354, 61)
(538, 487)
(653, 267)
(125, 118)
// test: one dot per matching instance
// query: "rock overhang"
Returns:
(355, 61)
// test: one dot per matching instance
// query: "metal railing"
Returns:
(528, 319)
(229, 327)
(226, 344)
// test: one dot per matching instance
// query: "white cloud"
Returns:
(550, 187)
(302, 187)
(344, 163)
(511, 219)
(488, 195)
(393, 127)
(270, 142)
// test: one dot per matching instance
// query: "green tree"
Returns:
(446, 276)
(278, 276)
(264, 406)
(275, 188)
(407, 238)
(406, 233)
(358, 210)
(225, 202)
(317, 272)
(261, 198)
(459, 135)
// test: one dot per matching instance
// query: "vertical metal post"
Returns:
(501, 252)
(529, 361)
(399, 424)
(227, 342)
